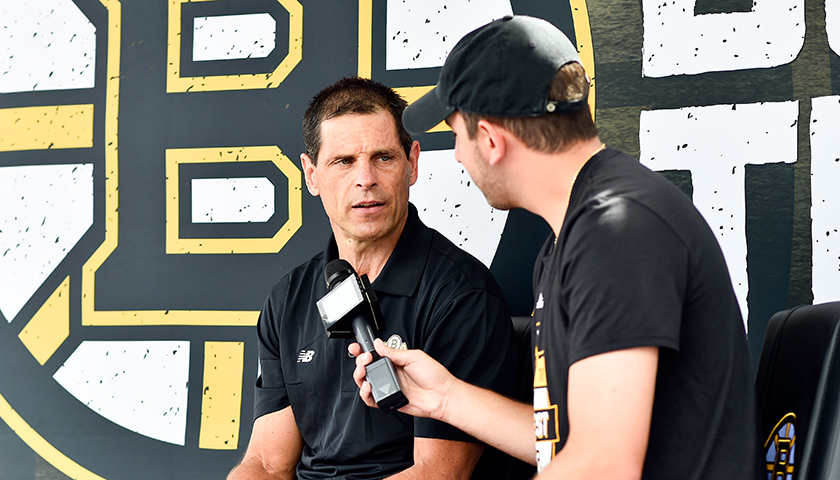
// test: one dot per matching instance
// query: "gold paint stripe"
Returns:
(90, 316)
(175, 83)
(173, 48)
(112, 94)
(365, 38)
(50, 326)
(147, 318)
(221, 402)
(43, 128)
(583, 34)
(177, 245)
(412, 94)
(43, 448)
(295, 54)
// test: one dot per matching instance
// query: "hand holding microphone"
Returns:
(351, 309)
(424, 380)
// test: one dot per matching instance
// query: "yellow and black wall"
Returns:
(151, 191)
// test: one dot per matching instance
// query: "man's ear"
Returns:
(413, 157)
(309, 174)
(492, 141)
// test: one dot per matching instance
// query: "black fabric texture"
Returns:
(636, 265)
(435, 297)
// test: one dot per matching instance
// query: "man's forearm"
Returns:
(610, 404)
(434, 392)
(498, 421)
(439, 459)
(420, 471)
(253, 469)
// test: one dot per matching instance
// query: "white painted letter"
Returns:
(421, 34)
(825, 198)
(677, 42)
(715, 143)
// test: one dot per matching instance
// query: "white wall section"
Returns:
(57, 34)
(45, 211)
(421, 34)
(715, 143)
(825, 198)
(448, 201)
(139, 385)
(677, 42)
(229, 37)
(232, 200)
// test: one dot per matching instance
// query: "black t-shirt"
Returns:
(433, 297)
(636, 265)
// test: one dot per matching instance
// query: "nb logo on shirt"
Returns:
(305, 356)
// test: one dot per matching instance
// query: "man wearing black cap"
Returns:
(641, 366)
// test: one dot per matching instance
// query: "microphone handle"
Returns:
(384, 385)
(364, 334)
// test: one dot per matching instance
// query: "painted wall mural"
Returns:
(150, 187)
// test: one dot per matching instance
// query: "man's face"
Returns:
(468, 152)
(362, 177)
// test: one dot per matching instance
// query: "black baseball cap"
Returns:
(503, 69)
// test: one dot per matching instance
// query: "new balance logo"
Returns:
(305, 356)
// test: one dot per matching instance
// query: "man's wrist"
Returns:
(452, 399)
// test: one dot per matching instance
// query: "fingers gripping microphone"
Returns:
(351, 309)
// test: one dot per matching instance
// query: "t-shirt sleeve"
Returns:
(624, 276)
(270, 388)
(473, 338)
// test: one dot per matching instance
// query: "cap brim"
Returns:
(425, 113)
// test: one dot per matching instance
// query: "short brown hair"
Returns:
(352, 95)
(552, 132)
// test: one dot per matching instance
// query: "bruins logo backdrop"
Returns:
(150, 187)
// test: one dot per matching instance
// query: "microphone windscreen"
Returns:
(336, 271)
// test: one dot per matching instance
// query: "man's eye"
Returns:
(385, 158)
(343, 161)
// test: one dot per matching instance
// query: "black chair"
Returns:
(522, 327)
(798, 391)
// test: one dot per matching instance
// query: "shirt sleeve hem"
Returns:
(270, 407)
(623, 344)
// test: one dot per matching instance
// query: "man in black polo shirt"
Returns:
(309, 419)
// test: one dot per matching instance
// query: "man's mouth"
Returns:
(368, 204)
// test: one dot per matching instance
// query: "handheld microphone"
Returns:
(348, 310)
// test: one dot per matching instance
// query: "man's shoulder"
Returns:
(625, 175)
(302, 276)
(616, 179)
(447, 260)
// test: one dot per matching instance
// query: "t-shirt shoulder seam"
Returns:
(659, 217)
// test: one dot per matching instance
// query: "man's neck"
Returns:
(549, 194)
(368, 256)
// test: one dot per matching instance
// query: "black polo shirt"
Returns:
(433, 297)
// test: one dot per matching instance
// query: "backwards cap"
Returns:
(503, 69)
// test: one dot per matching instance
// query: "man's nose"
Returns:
(365, 173)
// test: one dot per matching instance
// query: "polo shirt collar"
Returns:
(404, 268)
